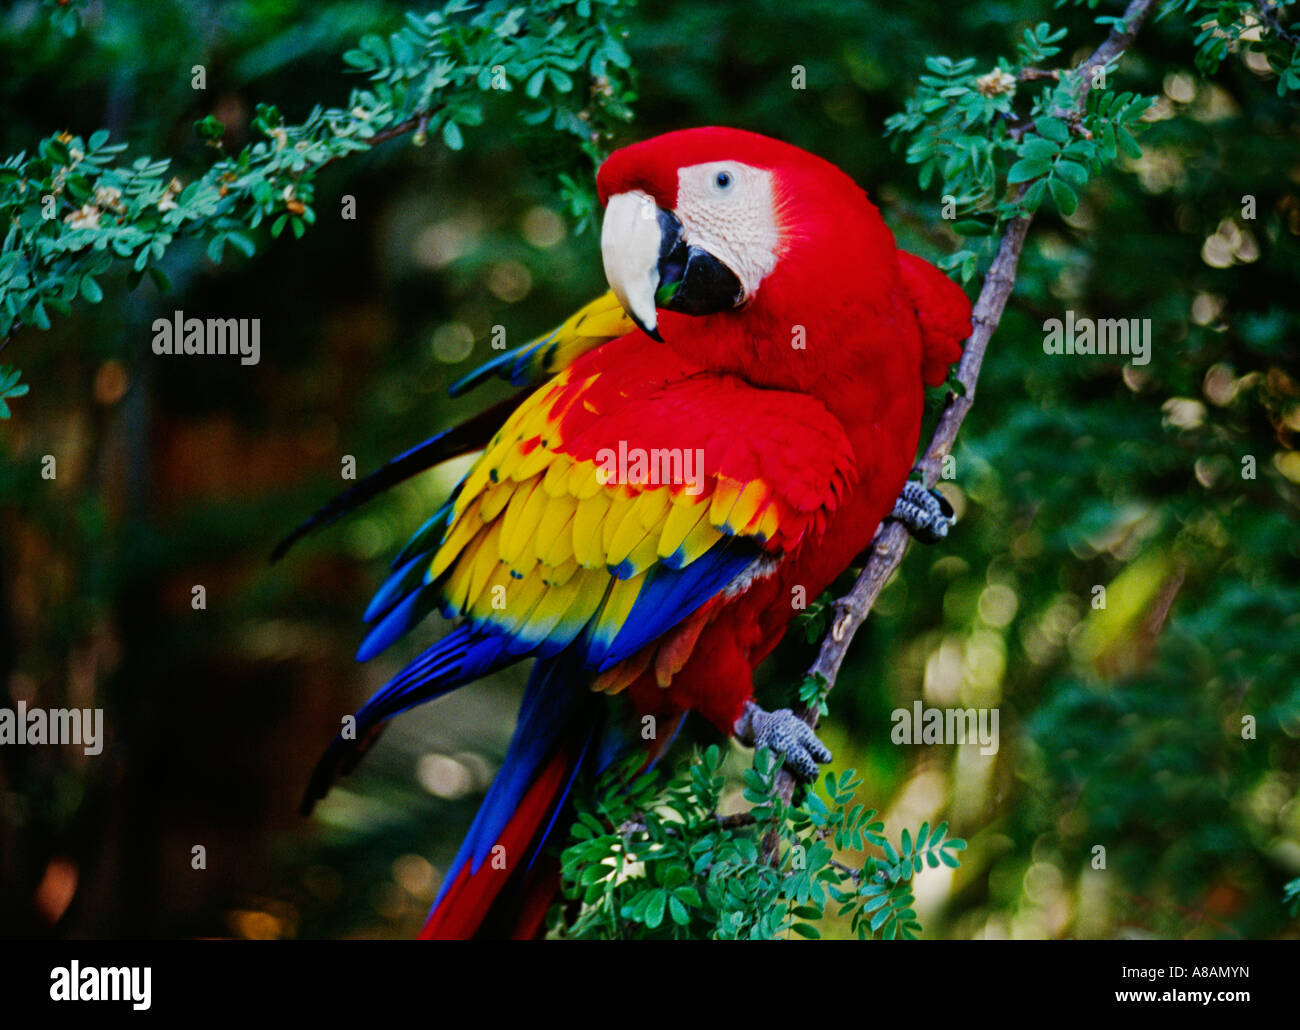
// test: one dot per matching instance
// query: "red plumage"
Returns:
(879, 323)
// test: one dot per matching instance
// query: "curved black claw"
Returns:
(787, 735)
(926, 513)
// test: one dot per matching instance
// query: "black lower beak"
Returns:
(691, 280)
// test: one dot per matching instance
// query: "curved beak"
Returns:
(649, 264)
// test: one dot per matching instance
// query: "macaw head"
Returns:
(697, 221)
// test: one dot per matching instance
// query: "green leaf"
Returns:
(90, 289)
(1127, 143)
(1037, 147)
(160, 280)
(209, 129)
(1072, 172)
(358, 58)
(1028, 168)
(688, 896)
(242, 242)
(1034, 196)
(535, 83)
(654, 911)
(1066, 199)
(1053, 129)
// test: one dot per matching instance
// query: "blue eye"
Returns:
(722, 180)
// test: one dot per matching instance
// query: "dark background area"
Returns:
(1119, 728)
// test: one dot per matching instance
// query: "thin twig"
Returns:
(723, 822)
(1270, 14)
(891, 543)
(418, 122)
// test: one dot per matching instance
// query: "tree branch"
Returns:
(890, 544)
(1271, 16)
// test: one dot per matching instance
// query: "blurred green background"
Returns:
(1120, 728)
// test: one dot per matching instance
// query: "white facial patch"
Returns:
(728, 209)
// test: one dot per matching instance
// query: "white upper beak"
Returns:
(629, 247)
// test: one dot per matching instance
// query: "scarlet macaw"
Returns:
(760, 318)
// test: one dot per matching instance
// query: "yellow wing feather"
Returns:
(540, 543)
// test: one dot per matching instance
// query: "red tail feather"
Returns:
(466, 905)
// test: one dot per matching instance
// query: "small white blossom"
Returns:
(996, 83)
(87, 217)
(108, 196)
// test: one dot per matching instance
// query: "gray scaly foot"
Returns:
(926, 513)
(787, 735)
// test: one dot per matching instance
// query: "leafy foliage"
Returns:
(64, 15)
(650, 859)
(999, 153)
(1244, 26)
(812, 693)
(10, 387)
(76, 207)
(967, 128)
(815, 619)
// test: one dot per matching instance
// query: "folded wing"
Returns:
(614, 502)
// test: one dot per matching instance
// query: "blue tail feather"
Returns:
(407, 578)
(512, 365)
(461, 657)
(403, 616)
